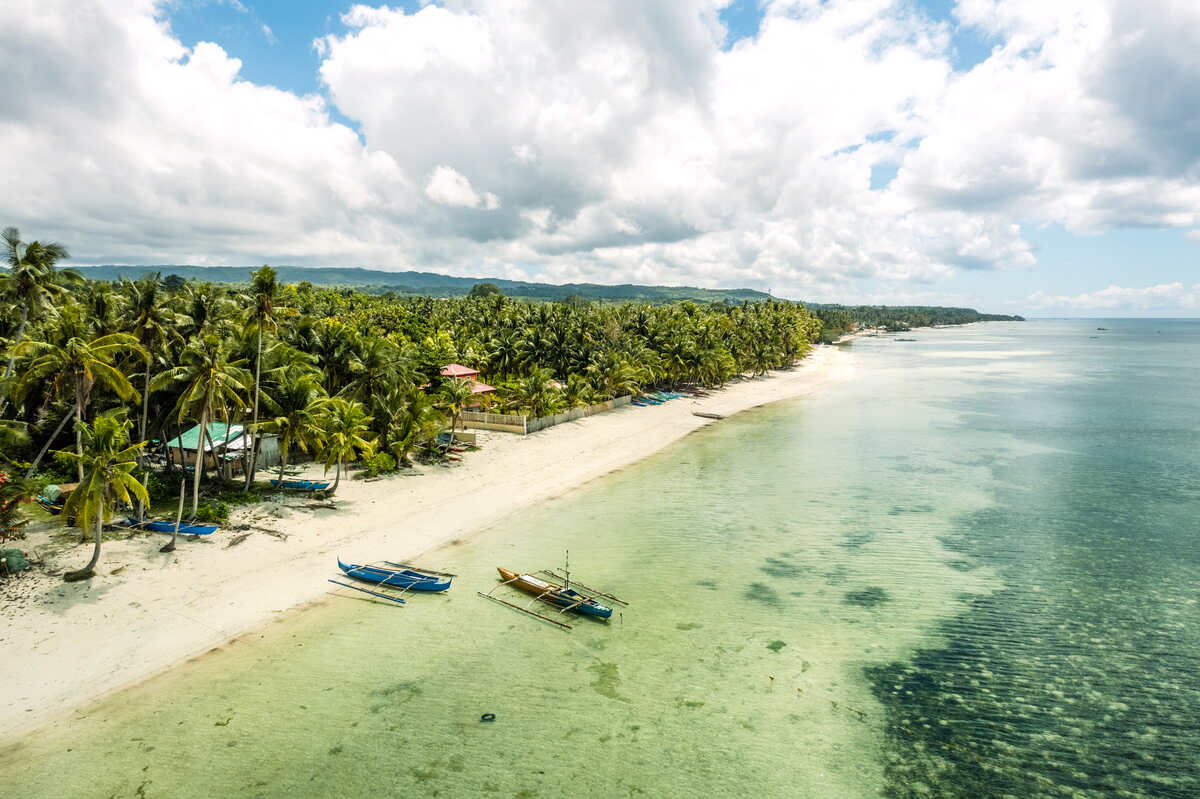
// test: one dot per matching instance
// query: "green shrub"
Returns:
(381, 463)
(161, 487)
(239, 497)
(210, 513)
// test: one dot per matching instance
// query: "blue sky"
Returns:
(1016, 157)
(285, 57)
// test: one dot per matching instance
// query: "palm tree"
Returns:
(535, 393)
(409, 419)
(344, 423)
(82, 364)
(297, 406)
(213, 384)
(31, 283)
(455, 394)
(206, 307)
(262, 314)
(155, 325)
(108, 465)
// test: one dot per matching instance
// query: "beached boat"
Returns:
(169, 527)
(53, 498)
(406, 578)
(562, 596)
(302, 485)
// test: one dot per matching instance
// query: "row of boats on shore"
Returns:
(392, 581)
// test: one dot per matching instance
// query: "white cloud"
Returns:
(268, 33)
(1165, 297)
(610, 141)
(448, 187)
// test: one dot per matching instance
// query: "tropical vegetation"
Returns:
(334, 372)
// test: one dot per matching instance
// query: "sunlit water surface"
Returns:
(972, 571)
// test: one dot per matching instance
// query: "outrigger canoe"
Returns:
(169, 527)
(564, 597)
(53, 498)
(301, 485)
(410, 579)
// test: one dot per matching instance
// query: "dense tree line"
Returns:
(94, 369)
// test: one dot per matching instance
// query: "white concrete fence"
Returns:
(512, 423)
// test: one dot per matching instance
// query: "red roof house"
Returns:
(458, 370)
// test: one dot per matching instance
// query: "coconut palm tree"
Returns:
(262, 315)
(207, 307)
(213, 384)
(409, 419)
(344, 425)
(155, 324)
(455, 394)
(81, 364)
(535, 393)
(108, 463)
(31, 283)
(297, 406)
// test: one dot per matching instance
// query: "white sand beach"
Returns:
(66, 644)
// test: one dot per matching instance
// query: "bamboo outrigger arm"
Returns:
(556, 575)
(395, 599)
(562, 624)
(418, 568)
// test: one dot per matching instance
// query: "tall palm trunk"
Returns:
(338, 478)
(282, 465)
(141, 507)
(226, 467)
(12, 358)
(79, 423)
(170, 547)
(45, 447)
(86, 571)
(253, 463)
(199, 462)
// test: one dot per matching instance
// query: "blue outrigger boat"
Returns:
(404, 577)
(302, 485)
(169, 527)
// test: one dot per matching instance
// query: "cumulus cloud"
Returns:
(1162, 298)
(448, 187)
(610, 141)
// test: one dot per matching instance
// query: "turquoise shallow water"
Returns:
(970, 571)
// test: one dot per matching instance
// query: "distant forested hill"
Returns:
(838, 319)
(427, 283)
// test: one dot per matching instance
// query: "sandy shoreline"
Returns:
(67, 645)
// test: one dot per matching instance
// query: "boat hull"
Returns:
(301, 485)
(396, 578)
(169, 527)
(556, 595)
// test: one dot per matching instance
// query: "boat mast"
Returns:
(567, 568)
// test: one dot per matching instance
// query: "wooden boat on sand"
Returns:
(169, 527)
(301, 485)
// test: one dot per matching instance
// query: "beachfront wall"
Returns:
(511, 423)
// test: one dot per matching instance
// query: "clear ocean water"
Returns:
(974, 571)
